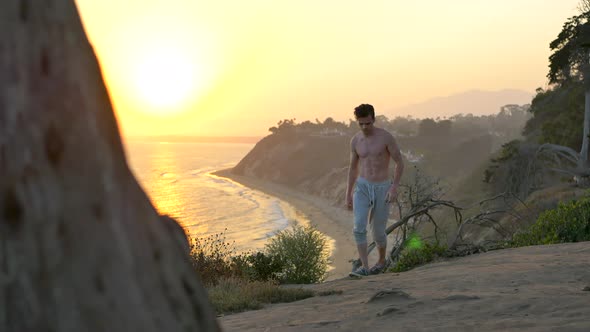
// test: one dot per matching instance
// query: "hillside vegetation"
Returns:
(313, 157)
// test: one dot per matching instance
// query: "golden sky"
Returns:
(235, 68)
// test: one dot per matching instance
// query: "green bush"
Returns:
(297, 255)
(569, 222)
(213, 258)
(303, 254)
(414, 256)
(263, 267)
(257, 266)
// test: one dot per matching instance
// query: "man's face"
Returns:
(366, 124)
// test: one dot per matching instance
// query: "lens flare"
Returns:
(414, 242)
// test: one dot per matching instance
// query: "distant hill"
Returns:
(476, 102)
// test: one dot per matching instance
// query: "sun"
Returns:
(164, 79)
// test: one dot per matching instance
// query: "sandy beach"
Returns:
(333, 221)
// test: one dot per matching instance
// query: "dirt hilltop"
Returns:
(538, 288)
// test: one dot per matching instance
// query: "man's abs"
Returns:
(374, 169)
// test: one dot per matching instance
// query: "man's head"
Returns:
(364, 110)
(365, 117)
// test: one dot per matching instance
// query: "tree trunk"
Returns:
(584, 164)
(81, 247)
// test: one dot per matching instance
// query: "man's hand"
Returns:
(348, 202)
(391, 194)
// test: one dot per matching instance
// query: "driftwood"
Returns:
(81, 246)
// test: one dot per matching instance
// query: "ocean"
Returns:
(177, 178)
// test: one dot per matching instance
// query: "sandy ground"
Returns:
(539, 288)
(334, 221)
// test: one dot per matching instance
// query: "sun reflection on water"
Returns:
(177, 178)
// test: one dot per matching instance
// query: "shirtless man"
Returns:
(371, 148)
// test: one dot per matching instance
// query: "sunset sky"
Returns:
(235, 68)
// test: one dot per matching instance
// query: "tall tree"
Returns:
(569, 63)
(81, 247)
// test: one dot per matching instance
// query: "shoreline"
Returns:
(334, 222)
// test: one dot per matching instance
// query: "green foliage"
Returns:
(261, 267)
(303, 253)
(507, 123)
(510, 120)
(569, 222)
(507, 152)
(414, 256)
(235, 295)
(559, 111)
(558, 114)
(284, 127)
(569, 54)
(288, 127)
(406, 126)
(213, 258)
(431, 128)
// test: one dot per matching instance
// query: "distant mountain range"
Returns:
(476, 102)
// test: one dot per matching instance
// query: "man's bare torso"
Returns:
(373, 154)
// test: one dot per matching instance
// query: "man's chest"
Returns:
(367, 148)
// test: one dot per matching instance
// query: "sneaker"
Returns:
(378, 268)
(360, 272)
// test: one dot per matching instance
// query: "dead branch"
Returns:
(489, 218)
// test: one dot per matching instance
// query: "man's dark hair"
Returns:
(364, 110)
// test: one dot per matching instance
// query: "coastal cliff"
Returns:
(313, 164)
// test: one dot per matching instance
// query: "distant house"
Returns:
(396, 133)
(329, 132)
(496, 133)
(411, 157)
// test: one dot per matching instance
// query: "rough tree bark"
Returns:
(584, 153)
(81, 247)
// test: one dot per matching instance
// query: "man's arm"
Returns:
(352, 172)
(396, 155)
